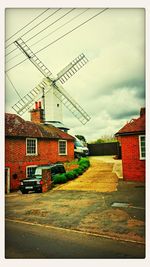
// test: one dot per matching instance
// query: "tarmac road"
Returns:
(26, 241)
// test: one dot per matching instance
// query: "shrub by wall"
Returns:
(84, 163)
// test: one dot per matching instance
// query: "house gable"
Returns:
(132, 139)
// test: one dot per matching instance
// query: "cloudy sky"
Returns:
(110, 87)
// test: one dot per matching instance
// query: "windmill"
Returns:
(54, 94)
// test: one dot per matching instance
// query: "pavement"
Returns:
(99, 202)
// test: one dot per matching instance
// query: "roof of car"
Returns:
(49, 166)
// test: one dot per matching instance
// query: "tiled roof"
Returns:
(134, 126)
(15, 126)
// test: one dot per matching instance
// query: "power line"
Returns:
(50, 25)
(71, 31)
(62, 36)
(49, 33)
(33, 28)
(59, 27)
(13, 85)
(27, 24)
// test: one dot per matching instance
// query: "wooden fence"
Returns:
(104, 149)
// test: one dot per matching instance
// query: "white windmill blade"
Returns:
(32, 57)
(71, 104)
(28, 100)
(71, 68)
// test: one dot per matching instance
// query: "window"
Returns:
(142, 146)
(31, 146)
(62, 147)
(30, 170)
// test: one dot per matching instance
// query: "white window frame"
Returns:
(65, 141)
(31, 154)
(141, 157)
(30, 166)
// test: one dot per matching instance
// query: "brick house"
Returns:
(132, 139)
(28, 144)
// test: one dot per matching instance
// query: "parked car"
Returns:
(80, 150)
(34, 183)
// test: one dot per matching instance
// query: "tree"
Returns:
(105, 139)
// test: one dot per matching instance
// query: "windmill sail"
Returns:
(28, 100)
(71, 104)
(33, 58)
(72, 68)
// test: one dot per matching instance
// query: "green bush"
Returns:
(84, 163)
(70, 175)
(79, 171)
(75, 174)
(60, 178)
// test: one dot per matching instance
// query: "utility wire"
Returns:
(33, 28)
(13, 85)
(59, 38)
(27, 24)
(59, 27)
(40, 32)
(50, 25)
(49, 34)
(70, 31)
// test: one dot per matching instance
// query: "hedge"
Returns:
(84, 163)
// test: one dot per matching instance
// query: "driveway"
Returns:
(87, 204)
(102, 176)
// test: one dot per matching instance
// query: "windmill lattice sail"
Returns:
(72, 68)
(27, 101)
(71, 104)
(33, 58)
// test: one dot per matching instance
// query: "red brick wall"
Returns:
(46, 179)
(17, 161)
(133, 167)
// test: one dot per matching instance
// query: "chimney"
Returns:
(142, 112)
(37, 114)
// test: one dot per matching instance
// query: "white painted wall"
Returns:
(53, 106)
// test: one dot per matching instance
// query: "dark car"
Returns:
(34, 183)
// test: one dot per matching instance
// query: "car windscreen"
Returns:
(78, 144)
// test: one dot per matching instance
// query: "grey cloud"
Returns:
(128, 114)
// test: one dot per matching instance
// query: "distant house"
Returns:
(132, 139)
(28, 144)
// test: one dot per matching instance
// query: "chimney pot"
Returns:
(39, 104)
(36, 105)
(37, 114)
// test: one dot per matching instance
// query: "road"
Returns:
(26, 241)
